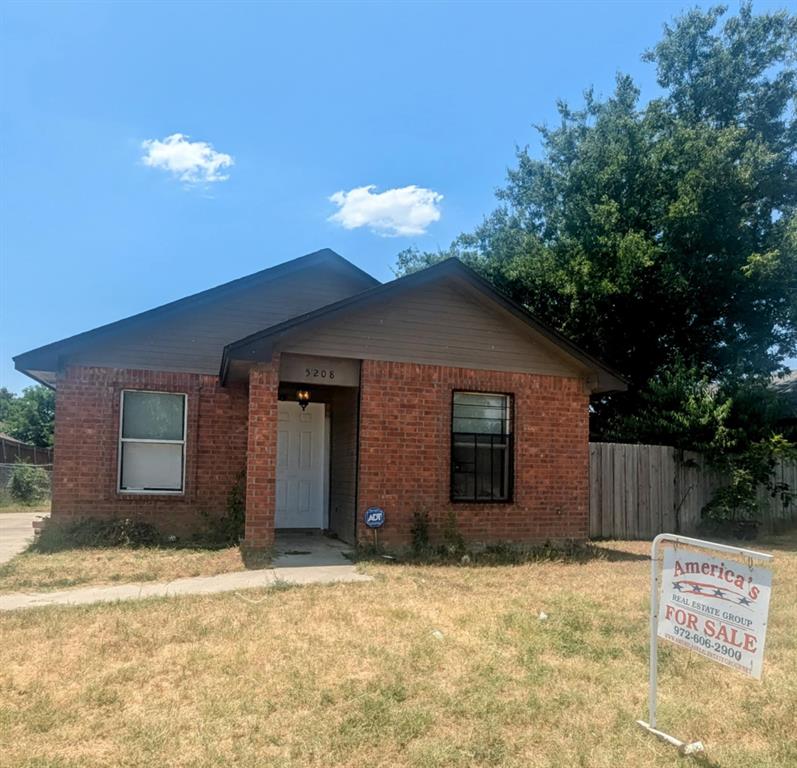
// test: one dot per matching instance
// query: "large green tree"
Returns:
(6, 403)
(662, 234)
(30, 417)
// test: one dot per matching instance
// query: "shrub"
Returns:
(749, 470)
(229, 527)
(734, 502)
(29, 483)
(97, 533)
(420, 531)
(498, 554)
(453, 540)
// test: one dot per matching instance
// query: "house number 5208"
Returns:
(319, 373)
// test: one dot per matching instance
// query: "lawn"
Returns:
(34, 571)
(40, 572)
(425, 666)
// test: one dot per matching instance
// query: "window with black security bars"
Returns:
(481, 447)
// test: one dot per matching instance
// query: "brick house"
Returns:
(335, 393)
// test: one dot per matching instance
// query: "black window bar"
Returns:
(481, 462)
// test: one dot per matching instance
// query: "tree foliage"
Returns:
(662, 234)
(684, 408)
(29, 417)
(6, 401)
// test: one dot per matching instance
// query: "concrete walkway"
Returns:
(16, 530)
(300, 559)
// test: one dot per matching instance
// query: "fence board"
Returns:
(668, 488)
(618, 490)
(638, 491)
(646, 528)
(607, 491)
(654, 489)
(595, 528)
(631, 491)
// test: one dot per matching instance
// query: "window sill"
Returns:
(172, 495)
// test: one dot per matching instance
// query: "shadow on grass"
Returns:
(784, 541)
(255, 559)
(497, 555)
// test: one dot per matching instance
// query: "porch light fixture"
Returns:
(303, 398)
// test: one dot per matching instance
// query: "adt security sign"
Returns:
(374, 517)
(716, 607)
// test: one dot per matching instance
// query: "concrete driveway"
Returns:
(16, 531)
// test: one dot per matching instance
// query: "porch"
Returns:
(302, 451)
(298, 548)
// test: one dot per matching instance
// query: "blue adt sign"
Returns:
(375, 517)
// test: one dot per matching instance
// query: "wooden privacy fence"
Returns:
(638, 491)
(12, 450)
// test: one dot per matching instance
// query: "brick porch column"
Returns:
(261, 461)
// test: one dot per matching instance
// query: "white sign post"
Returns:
(716, 607)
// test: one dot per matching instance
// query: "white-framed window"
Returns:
(152, 429)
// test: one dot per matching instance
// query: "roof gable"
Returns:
(439, 323)
(446, 314)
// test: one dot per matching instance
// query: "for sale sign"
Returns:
(717, 607)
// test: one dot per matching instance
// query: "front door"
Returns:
(300, 466)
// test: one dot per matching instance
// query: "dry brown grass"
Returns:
(34, 571)
(358, 675)
(37, 572)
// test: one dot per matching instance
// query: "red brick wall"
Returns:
(405, 444)
(262, 455)
(85, 478)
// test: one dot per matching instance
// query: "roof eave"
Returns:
(31, 375)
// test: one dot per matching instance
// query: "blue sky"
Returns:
(283, 106)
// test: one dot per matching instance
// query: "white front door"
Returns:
(300, 466)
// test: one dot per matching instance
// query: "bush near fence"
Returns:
(24, 483)
(639, 491)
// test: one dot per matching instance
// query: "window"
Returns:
(481, 447)
(152, 442)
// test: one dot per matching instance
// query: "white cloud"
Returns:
(392, 213)
(194, 162)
